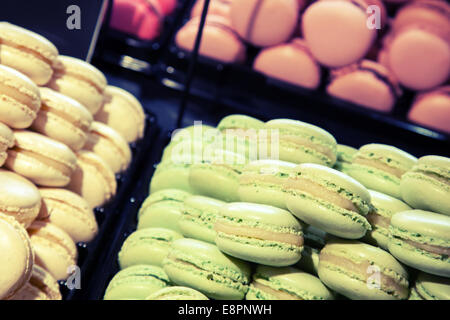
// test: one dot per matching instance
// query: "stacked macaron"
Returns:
(57, 162)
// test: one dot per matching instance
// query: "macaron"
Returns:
(27, 52)
(136, 283)
(122, 112)
(216, 7)
(284, 62)
(93, 179)
(286, 283)
(198, 217)
(41, 286)
(162, 209)
(332, 46)
(19, 198)
(427, 184)
(16, 260)
(109, 145)
(20, 99)
(344, 157)
(362, 272)
(256, 22)
(379, 217)
(432, 109)
(262, 182)
(239, 121)
(62, 119)
(147, 246)
(218, 176)
(301, 142)
(259, 233)
(217, 33)
(309, 261)
(380, 167)
(79, 80)
(365, 83)
(421, 239)
(6, 141)
(429, 287)
(202, 266)
(177, 293)
(69, 212)
(329, 200)
(44, 161)
(171, 175)
(54, 249)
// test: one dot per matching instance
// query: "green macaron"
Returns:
(177, 293)
(262, 181)
(239, 121)
(171, 175)
(198, 217)
(380, 167)
(259, 233)
(162, 209)
(379, 217)
(427, 185)
(286, 283)
(202, 266)
(429, 287)
(147, 246)
(361, 271)
(421, 239)
(344, 157)
(301, 142)
(329, 200)
(136, 283)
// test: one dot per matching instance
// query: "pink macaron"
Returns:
(216, 7)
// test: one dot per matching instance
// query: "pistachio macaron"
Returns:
(171, 175)
(20, 99)
(202, 266)
(380, 167)
(79, 80)
(6, 142)
(93, 179)
(70, 212)
(162, 209)
(301, 142)
(239, 121)
(122, 112)
(421, 239)
(344, 157)
(27, 52)
(44, 161)
(429, 287)
(147, 246)
(136, 283)
(259, 233)
(361, 271)
(286, 283)
(177, 293)
(63, 119)
(19, 198)
(16, 260)
(427, 184)
(262, 182)
(329, 200)
(198, 217)
(109, 145)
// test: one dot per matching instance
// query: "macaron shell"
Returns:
(170, 175)
(177, 293)
(431, 287)
(6, 141)
(239, 121)
(164, 214)
(216, 7)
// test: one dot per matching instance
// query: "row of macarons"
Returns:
(61, 163)
(356, 73)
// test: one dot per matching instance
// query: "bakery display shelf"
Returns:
(106, 216)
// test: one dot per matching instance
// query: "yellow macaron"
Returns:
(6, 141)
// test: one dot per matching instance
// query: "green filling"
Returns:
(261, 243)
(205, 219)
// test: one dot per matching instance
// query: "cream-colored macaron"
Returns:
(122, 112)
(16, 258)
(62, 119)
(19, 198)
(28, 52)
(6, 141)
(70, 212)
(109, 145)
(54, 249)
(93, 179)
(19, 98)
(79, 80)
(44, 161)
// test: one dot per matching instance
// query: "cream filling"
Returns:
(311, 145)
(276, 293)
(36, 54)
(19, 96)
(428, 247)
(61, 167)
(377, 220)
(379, 165)
(82, 125)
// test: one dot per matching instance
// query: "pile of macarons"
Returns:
(369, 57)
(64, 133)
(303, 219)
